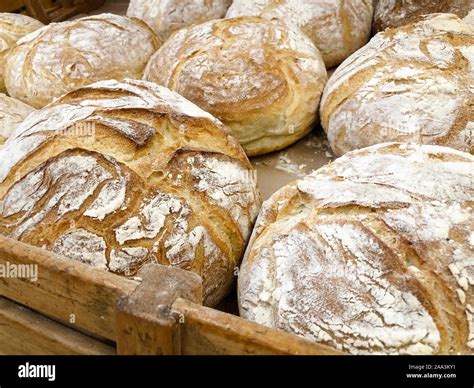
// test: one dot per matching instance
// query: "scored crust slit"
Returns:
(336, 27)
(262, 78)
(13, 27)
(411, 84)
(372, 254)
(121, 174)
(62, 57)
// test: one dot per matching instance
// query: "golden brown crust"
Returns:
(12, 28)
(118, 175)
(336, 27)
(263, 79)
(65, 56)
(371, 254)
(410, 84)
(12, 114)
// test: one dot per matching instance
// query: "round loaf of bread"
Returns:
(337, 27)
(13, 27)
(119, 175)
(65, 56)
(397, 13)
(412, 84)
(373, 253)
(12, 114)
(262, 78)
(167, 16)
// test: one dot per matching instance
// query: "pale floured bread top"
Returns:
(469, 19)
(12, 113)
(167, 16)
(414, 83)
(262, 78)
(336, 27)
(12, 28)
(64, 56)
(373, 253)
(117, 175)
(397, 13)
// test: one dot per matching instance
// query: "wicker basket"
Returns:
(48, 11)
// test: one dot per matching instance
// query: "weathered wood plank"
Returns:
(211, 332)
(145, 323)
(23, 332)
(65, 290)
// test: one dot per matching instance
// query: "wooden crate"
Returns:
(48, 11)
(75, 309)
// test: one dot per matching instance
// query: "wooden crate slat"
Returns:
(67, 291)
(210, 332)
(156, 316)
(24, 332)
(11, 5)
(145, 321)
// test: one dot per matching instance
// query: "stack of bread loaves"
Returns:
(414, 83)
(117, 175)
(12, 28)
(371, 254)
(64, 56)
(262, 78)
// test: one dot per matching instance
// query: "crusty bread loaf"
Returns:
(64, 56)
(12, 28)
(12, 113)
(373, 253)
(117, 175)
(337, 27)
(262, 78)
(397, 13)
(408, 84)
(167, 16)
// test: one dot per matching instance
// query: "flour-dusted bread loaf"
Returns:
(412, 84)
(262, 78)
(167, 16)
(64, 56)
(397, 13)
(12, 114)
(337, 27)
(373, 253)
(13, 27)
(117, 175)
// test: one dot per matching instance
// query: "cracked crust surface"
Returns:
(372, 254)
(64, 56)
(262, 78)
(13, 27)
(411, 84)
(336, 27)
(121, 174)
